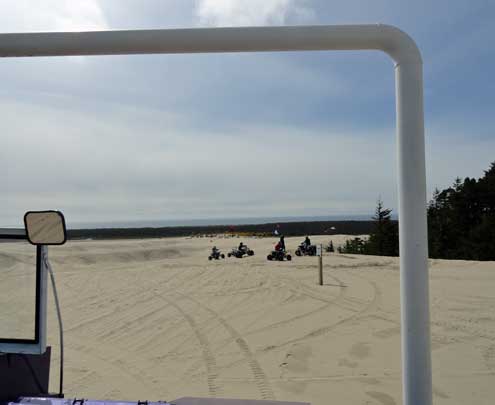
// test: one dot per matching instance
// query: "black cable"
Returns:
(61, 330)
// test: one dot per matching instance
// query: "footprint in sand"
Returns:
(381, 397)
(386, 333)
(360, 350)
(439, 393)
(348, 363)
(296, 359)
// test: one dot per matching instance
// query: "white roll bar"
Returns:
(410, 134)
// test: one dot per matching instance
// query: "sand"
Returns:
(154, 319)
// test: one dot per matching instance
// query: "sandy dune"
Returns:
(155, 319)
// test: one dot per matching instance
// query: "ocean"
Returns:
(213, 221)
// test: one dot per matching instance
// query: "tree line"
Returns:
(461, 223)
(287, 228)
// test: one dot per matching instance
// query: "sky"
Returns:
(158, 137)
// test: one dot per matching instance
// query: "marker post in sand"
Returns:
(414, 283)
(319, 253)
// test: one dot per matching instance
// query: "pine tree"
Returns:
(353, 246)
(461, 219)
(384, 240)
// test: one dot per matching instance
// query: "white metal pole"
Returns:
(410, 133)
(413, 236)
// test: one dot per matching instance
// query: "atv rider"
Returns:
(242, 247)
(307, 242)
(280, 246)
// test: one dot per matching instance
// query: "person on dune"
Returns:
(280, 246)
(307, 242)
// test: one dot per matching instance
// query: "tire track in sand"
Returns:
(210, 363)
(204, 328)
(295, 286)
(363, 312)
(259, 375)
(357, 314)
(104, 363)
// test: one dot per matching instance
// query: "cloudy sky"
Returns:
(124, 138)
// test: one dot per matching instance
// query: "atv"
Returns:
(239, 253)
(306, 250)
(279, 255)
(216, 254)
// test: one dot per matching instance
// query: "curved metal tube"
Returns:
(381, 37)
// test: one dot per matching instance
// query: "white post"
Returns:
(410, 133)
(416, 352)
(320, 265)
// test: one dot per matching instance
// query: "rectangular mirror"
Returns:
(45, 227)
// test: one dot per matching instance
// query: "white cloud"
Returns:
(96, 158)
(252, 12)
(136, 164)
(452, 151)
(116, 166)
(51, 15)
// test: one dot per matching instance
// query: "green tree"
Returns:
(384, 240)
(353, 246)
(461, 219)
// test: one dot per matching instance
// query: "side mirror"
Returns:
(45, 227)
